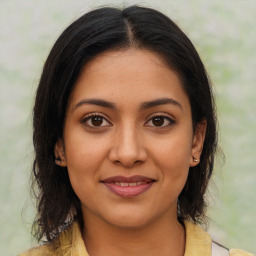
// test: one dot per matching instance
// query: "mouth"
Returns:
(128, 186)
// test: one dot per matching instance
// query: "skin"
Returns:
(127, 140)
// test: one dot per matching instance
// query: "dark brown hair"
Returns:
(92, 34)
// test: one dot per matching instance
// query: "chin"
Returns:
(131, 223)
(129, 219)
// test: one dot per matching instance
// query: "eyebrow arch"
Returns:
(97, 102)
(157, 102)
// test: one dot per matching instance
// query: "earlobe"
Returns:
(198, 143)
(59, 154)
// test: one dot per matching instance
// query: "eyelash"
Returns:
(90, 116)
(165, 117)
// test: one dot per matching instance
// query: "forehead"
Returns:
(131, 75)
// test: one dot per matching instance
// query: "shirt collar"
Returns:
(198, 242)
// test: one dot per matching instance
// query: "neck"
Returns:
(163, 237)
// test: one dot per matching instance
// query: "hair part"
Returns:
(96, 32)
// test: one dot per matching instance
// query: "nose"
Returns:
(127, 148)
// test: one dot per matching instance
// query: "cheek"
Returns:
(81, 149)
(84, 157)
(173, 151)
(175, 167)
(83, 165)
(172, 157)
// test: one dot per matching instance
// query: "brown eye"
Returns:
(158, 120)
(96, 120)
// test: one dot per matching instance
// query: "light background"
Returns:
(224, 33)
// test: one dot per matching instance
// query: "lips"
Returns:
(128, 186)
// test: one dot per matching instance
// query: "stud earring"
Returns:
(194, 159)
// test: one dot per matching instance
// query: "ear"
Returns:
(60, 153)
(198, 143)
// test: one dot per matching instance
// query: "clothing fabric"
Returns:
(70, 243)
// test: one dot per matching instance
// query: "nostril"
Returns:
(128, 163)
(138, 161)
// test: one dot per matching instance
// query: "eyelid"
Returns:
(164, 115)
(86, 117)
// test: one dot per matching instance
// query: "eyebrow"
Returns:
(143, 106)
(97, 102)
(157, 102)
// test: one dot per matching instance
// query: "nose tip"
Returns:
(128, 160)
(128, 151)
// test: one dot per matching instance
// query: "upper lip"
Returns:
(135, 178)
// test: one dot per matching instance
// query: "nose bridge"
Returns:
(128, 147)
(127, 137)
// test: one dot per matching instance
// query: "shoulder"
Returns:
(219, 250)
(69, 242)
(52, 248)
(237, 252)
(49, 249)
(199, 242)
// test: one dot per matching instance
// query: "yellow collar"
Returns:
(198, 242)
(71, 239)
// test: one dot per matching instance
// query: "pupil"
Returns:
(97, 120)
(158, 121)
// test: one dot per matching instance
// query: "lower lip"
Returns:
(128, 191)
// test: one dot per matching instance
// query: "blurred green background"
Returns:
(224, 32)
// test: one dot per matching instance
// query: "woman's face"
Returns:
(128, 139)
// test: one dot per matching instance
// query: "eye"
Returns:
(160, 121)
(95, 120)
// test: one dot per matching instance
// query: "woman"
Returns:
(125, 138)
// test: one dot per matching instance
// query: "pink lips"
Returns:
(128, 186)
